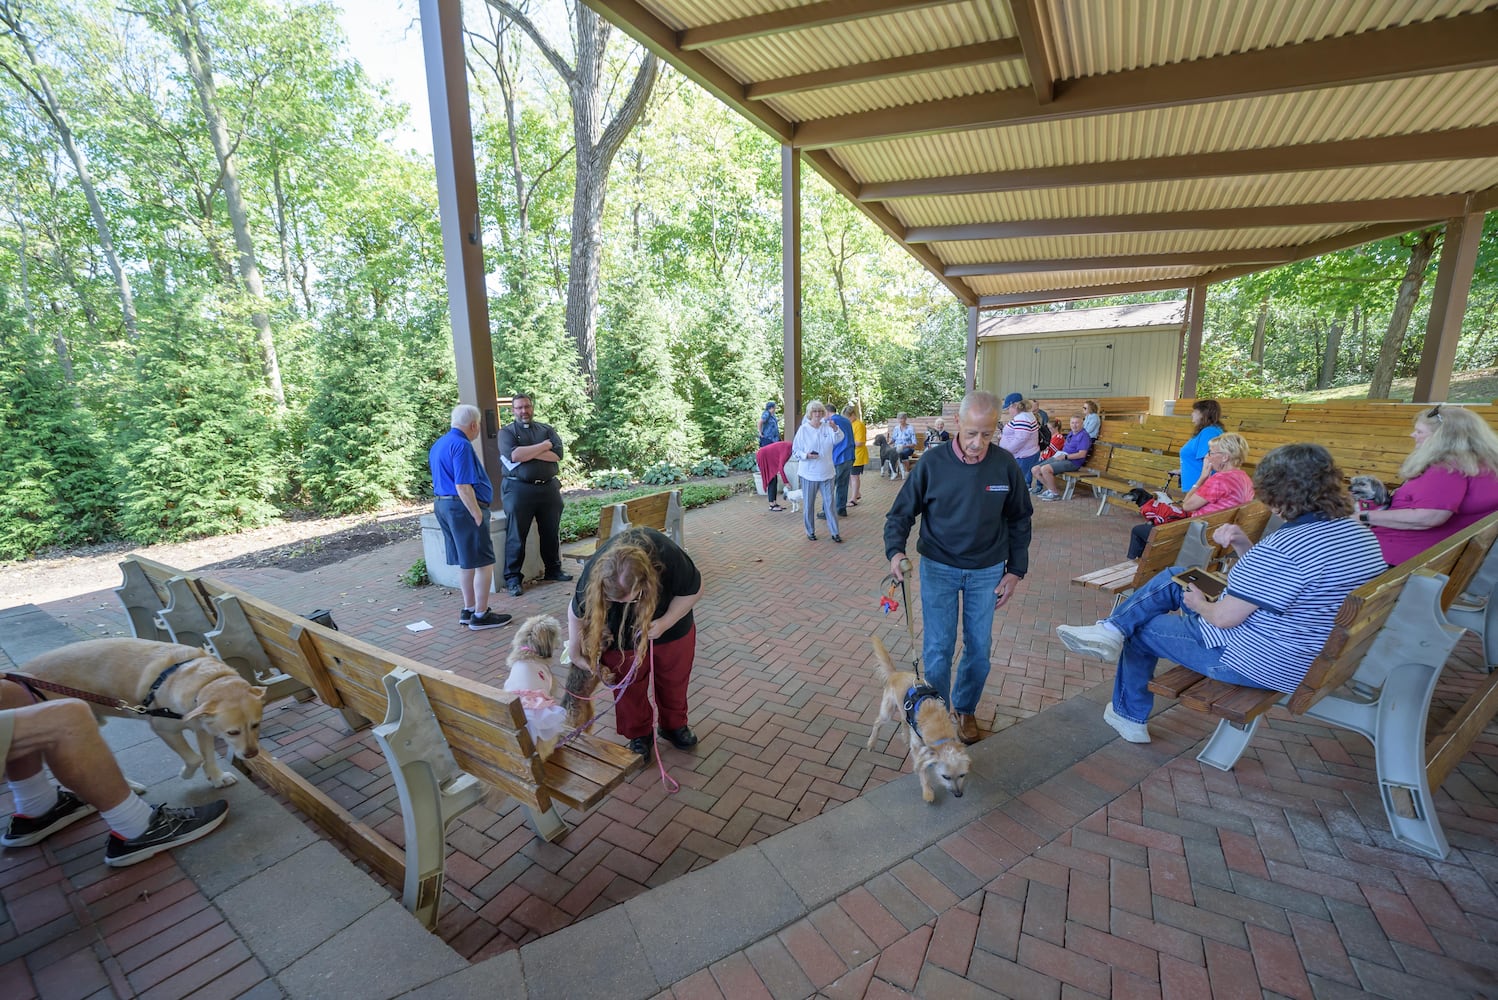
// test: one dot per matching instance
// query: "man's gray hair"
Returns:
(978, 401)
(465, 415)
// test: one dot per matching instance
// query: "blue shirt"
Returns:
(842, 452)
(1194, 453)
(769, 431)
(1080, 441)
(902, 437)
(453, 462)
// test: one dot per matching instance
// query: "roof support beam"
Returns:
(887, 69)
(1448, 304)
(778, 22)
(1034, 34)
(971, 380)
(1442, 46)
(1420, 147)
(790, 274)
(1204, 258)
(1075, 294)
(1196, 315)
(1268, 216)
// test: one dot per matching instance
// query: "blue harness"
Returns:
(914, 696)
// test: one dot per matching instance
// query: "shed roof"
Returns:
(1038, 150)
(1132, 317)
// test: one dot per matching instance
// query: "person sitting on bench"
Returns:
(64, 736)
(1225, 485)
(902, 435)
(1073, 454)
(1278, 609)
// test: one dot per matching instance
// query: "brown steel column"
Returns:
(972, 348)
(1448, 304)
(458, 205)
(1196, 314)
(790, 270)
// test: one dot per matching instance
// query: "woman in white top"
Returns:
(813, 447)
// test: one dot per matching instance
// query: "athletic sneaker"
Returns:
(1134, 732)
(487, 619)
(464, 617)
(1098, 641)
(170, 827)
(27, 830)
(1050, 495)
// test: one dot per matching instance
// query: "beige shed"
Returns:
(1132, 350)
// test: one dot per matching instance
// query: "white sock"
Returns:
(130, 818)
(1105, 623)
(33, 795)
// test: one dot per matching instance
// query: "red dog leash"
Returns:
(35, 684)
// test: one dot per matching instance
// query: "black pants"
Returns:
(524, 503)
(772, 487)
(1138, 538)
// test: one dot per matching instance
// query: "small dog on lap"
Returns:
(1369, 491)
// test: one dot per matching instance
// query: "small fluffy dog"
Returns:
(1369, 491)
(213, 700)
(889, 457)
(934, 746)
(550, 691)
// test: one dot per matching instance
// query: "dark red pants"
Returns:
(669, 667)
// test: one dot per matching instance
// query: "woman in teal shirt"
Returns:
(1206, 417)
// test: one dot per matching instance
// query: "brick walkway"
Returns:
(1128, 853)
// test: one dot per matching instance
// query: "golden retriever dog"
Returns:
(550, 689)
(934, 746)
(209, 695)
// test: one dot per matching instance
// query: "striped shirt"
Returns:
(1297, 578)
(1021, 436)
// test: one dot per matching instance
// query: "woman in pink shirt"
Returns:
(1450, 482)
(1223, 484)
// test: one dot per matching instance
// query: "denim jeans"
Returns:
(1026, 464)
(1151, 633)
(810, 488)
(940, 586)
(844, 475)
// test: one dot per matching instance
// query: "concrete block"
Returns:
(497, 978)
(599, 957)
(383, 954)
(445, 575)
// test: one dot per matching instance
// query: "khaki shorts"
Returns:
(7, 731)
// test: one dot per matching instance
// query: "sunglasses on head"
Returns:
(1435, 413)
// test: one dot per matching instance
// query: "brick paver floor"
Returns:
(1131, 851)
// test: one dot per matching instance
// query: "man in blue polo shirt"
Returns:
(842, 463)
(463, 494)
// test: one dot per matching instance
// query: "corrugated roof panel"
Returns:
(697, 13)
(1123, 244)
(1093, 37)
(1358, 184)
(1009, 284)
(941, 26)
(1354, 112)
(900, 90)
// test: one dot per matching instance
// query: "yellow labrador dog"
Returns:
(209, 695)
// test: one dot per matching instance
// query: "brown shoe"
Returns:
(967, 727)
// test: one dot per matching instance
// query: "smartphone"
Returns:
(812, 454)
(1210, 584)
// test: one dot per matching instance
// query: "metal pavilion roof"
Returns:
(1037, 150)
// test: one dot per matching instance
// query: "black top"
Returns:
(679, 578)
(972, 516)
(516, 434)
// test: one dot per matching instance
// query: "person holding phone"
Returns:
(1278, 609)
(813, 445)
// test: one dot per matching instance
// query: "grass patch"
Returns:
(580, 516)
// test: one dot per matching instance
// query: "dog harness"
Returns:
(914, 696)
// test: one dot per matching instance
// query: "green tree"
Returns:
(641, 419)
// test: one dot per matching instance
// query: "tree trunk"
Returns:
(1257, 353)
(281, 239)
(40, 90)
(1329, 360)
(1404, 305)
(194, 48)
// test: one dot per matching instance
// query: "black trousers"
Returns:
(524, 503)
(1139, 537)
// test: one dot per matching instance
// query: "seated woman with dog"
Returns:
(1224, 485)
(1450, 482)
(1277, 610)
(630, 622)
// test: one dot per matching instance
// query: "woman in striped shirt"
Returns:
(1278, 609)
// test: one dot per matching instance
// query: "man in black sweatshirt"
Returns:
(975, 542)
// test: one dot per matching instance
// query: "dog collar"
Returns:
(164, 713)
(945, 739)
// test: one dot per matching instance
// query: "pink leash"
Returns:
(669, 783)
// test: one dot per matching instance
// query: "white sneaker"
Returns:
(1098, 641)
(1134, 732)
(1050, 495)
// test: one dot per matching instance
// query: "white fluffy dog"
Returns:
(536, 675)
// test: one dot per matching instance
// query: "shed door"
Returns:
(1092, 366)
(1053, 365)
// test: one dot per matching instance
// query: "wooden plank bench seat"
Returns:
(1123, 470)
(661, 511)
(445, 737)
(1375, 675)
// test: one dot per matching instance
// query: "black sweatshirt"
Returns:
(972, 516)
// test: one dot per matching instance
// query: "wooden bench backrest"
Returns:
(1367, 608)
(1127, 409)
(1144, 467)
(1163, 549)
(1149, 440)
(1237, 410)
(648, 511)
(157, 574)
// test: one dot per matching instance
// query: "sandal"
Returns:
(852, 503)
(776, 506)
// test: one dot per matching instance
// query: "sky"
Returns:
(385, 37)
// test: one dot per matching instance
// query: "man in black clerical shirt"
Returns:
(530, 452)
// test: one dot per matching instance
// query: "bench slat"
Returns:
(1446, 748)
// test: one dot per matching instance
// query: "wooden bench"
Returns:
(445, 737)
(661, 511)
(1127, 409)
(1125, 469)
(1187, 542)
(1375, 676)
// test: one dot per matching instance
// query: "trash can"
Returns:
(1169, 407)
(759, 484)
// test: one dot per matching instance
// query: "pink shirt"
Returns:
(1437, 488)
(1222, 490)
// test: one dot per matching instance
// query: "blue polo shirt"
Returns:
(842, 452)
(453, 462)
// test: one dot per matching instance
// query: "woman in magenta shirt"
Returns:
(1450, 482)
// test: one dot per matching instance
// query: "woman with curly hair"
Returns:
(1450, 482)
(1278, 609)
(631, 618)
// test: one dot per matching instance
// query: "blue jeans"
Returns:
(809, 490)
(1026, 464)
(1151, 633)
(940, 585)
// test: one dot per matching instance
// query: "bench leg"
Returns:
(1227, 744)
(140, 602)
(1483, 621)
(433, 789)
(549, 825)
(183, 617)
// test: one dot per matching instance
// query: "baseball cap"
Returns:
(770, 405)
(1012, 398)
